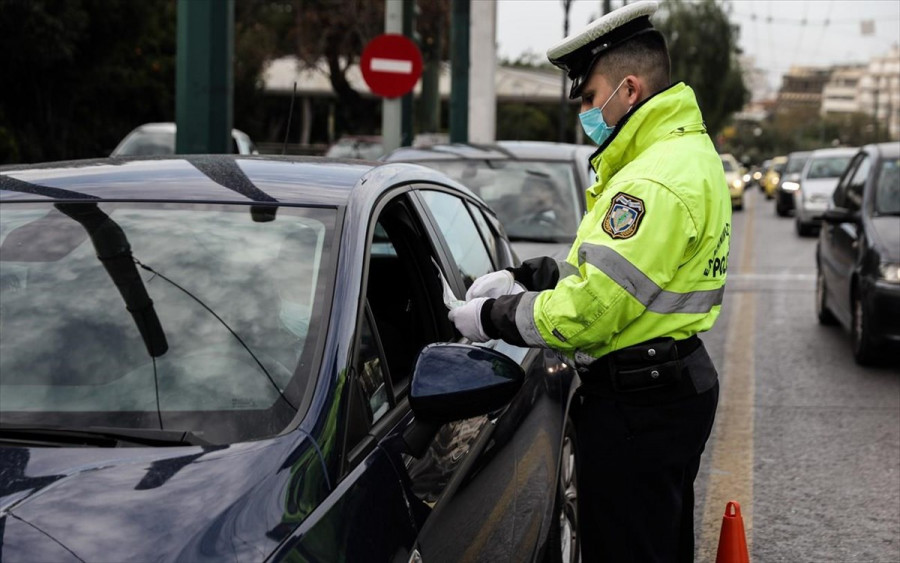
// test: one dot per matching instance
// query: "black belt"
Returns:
(661, 368)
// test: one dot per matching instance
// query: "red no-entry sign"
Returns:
(391, 65)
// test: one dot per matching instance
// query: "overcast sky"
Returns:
(773, 31)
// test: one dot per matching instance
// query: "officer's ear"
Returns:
(634, 89)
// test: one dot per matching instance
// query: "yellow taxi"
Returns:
(734, 173)
(772, 175)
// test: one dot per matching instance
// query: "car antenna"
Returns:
(287, 129)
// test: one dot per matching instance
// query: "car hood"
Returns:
(152, 504)
(886, 234)
(819, 186)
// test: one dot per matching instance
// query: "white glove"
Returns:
(494, 285)
(467, 319)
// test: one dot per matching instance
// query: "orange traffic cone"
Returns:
(732, 541)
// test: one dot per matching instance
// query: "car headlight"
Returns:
(890, 272)
(736, 183)
(746, 178)
(790, 186)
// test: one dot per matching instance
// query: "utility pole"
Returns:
(406, 105)
(391, 108)
(564, 98)
(459, 71)
(482, 107)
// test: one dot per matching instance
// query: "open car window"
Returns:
(188, 317)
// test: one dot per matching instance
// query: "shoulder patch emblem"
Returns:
(624, 216)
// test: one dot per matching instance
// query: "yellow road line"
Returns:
(731, 467)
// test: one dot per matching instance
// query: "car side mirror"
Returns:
(839, 215)
(454, 382)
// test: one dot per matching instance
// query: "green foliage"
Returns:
(79, 74)
(703, 50)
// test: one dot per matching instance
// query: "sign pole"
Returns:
(391, 114)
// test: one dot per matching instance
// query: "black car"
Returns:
(789, 182)
(208, 358)
(858, 253)
(536, 188)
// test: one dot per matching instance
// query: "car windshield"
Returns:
(795, 164)
(535, 200)
(887, 190)
(827, 167)
(148, 143)
(729, 167)
(778, 167)
(187, 317)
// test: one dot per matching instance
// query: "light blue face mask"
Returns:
(295, 318)
(593, 123)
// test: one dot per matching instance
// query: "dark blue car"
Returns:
(208, 358)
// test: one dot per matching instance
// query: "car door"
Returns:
(509, 501)
(844, 237)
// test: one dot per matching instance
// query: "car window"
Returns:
(490, 239)
(827, 167)
(854, 195)
(461, 234)
(795, 164)
(533, 199)
(727, 165)
(230, 355)
(887, 189)
(148, 143)
(371, 377)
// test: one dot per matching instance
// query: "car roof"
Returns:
(218, 178)
(501, 150)
(888, 150)
(835, 151)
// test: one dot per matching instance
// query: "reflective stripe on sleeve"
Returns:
(645, 290)
(525, 320)
(566, 269)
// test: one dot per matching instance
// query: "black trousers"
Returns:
(636, 469)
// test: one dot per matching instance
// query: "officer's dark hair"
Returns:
(644, 55)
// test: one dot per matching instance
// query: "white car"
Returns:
(817, 182)
(159, 138)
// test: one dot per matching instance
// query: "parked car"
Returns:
(249, 358)
(159, 138)
(858, 253)
(773, 175)
(364, 147)
(815, 186)
(789, 182)
(536, 188)
(734, 176)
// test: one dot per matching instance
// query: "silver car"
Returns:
(159, 138)
(816, 183)
(536, 188)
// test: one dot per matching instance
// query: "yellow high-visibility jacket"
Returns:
(651, 254)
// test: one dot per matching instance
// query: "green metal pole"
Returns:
(204, 87)
(459, 72)
(406, 103)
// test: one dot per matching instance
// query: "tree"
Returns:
(703, 49)
(79, 74)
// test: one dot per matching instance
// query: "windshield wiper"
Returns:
(109, 437)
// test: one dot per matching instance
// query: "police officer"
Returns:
(645, 274)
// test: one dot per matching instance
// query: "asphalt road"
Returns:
(805, 440)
